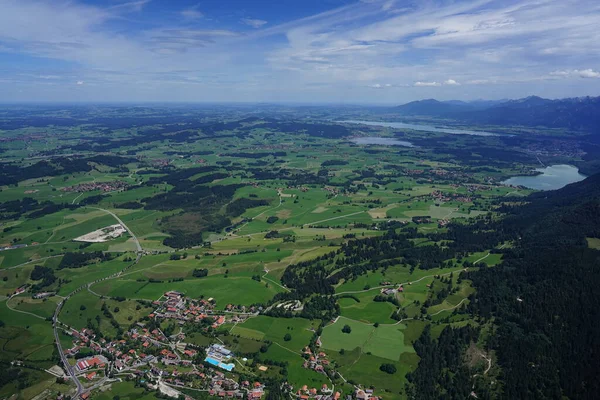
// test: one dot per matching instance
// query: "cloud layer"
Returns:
(443, 48)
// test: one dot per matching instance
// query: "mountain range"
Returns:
(582, 113)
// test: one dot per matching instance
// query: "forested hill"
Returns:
(544, 300)
(576, 114)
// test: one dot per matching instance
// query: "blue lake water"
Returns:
(381, 141)
(551, 178)
(419, 127)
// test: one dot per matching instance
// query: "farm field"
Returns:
(254, 232)
(385, 341)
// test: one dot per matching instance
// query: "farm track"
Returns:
(34, 261)
(20, 311)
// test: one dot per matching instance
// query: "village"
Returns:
(111, 186)
(167, 364)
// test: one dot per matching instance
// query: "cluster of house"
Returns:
(474, 187)
(391, 291)
(147, 337)
(324, 393)
(227, 388)
(156, 361)
(446, 197)
(213, 381)
(331, 190)
(443, 222)
(161, 162)
(91, 186)
(177, 306)
(315, 361)
(120, 351)
(365, 394)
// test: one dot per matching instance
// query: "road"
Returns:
(68, 368)
(135, 239)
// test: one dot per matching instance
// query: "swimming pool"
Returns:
(217, 363)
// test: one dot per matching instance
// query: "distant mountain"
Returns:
(581, 113)
(577, 113)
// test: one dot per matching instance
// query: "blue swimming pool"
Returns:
(212, 361)
(217, 363)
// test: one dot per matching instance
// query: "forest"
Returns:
(544, 348)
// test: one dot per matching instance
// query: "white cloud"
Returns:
(80, 83)
(192, 13)
(451, 82)
(255, 23)
(339, 54)
(478, 81)
(380, 86)
(580, 73)
(427, 84)
(588, 73)
(130, 6)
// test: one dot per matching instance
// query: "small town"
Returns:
(169, 365)
(111, 186)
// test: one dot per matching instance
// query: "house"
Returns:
(361, 395)
(90, 376)
(90, 363)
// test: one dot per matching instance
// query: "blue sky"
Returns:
(309, 51)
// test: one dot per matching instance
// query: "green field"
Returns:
(248, 210)
(385, 341)
(274, 330)
(367, 310)
(232, 290)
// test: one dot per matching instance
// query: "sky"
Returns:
(298, 51)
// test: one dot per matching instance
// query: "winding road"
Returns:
(70, 370)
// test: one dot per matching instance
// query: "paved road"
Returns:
(70, 370)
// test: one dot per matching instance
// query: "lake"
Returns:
(382, 141)
(419, 127)
(551, 178)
